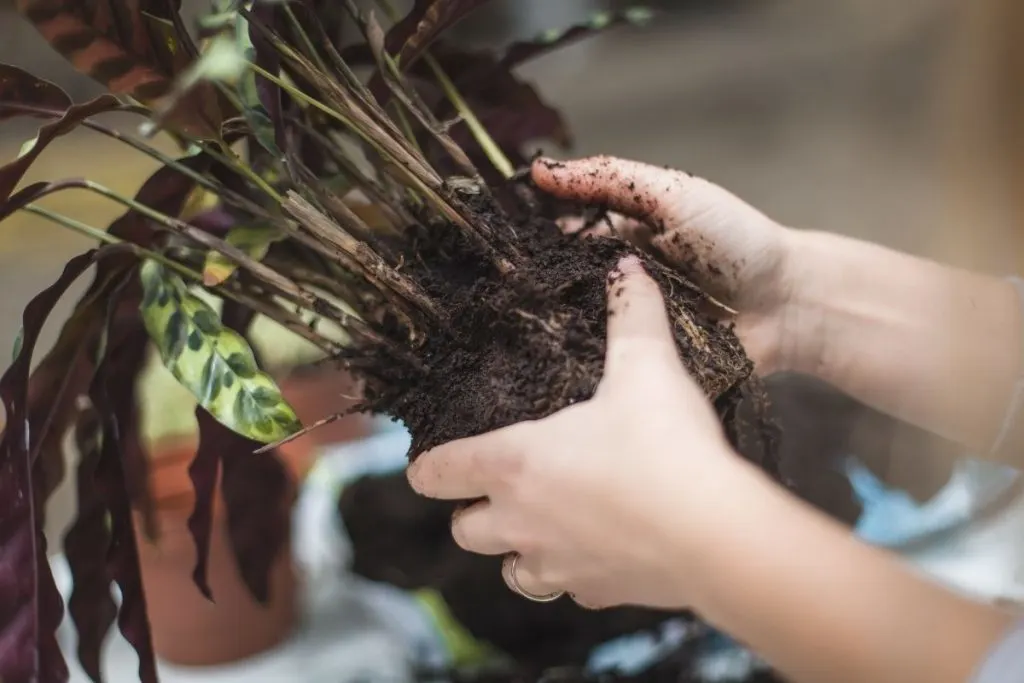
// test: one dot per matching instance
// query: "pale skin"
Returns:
(635, 497)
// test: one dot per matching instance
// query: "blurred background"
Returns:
(838, 116)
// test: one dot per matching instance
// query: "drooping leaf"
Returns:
(203, 474)
(256, 489)
(410, 37)
(135, 48)
(86, 544)
(112, 485)
(211, 361)
(12, 173)
(254, 240)
(520, 52)
(18, 86)
(30, 606)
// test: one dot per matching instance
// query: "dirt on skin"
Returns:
(526, 344)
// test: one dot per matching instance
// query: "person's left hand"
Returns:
(609, 500)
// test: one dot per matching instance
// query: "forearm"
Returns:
(930, 344)
(820, 605)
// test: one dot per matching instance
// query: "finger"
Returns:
(610, 225)
(477, 529)
(465, 469)
(638, 323)
(518, 571)
(629, 187)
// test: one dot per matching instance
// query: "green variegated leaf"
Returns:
(211, 361)
(254, 240)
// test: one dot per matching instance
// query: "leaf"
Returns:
(254, 240)
(18, 86)
(112, 484)
(86, 544)
(258, 495)
(111, 42)
(12, 173)
(523, 51)
(213, 362)
(203, 474)
(410, 37)
(257, 490)
(30, 606)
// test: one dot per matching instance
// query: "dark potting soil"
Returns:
(524, 344)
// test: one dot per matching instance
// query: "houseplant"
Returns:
(382, 220)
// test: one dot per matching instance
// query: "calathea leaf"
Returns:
(214, 363)
(30, 605)
(91, 605)
(555, 39)
(257, 489)
(254, 240)
(12, 173)
(112, 485)
(410, 37)
(19, 87)
(132, 48)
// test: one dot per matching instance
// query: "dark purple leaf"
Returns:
(30, 606)
(21, 87)
(428, 19)
(258, 495)
(203, 473)
(113, 487)
(523, 51)
(86, 544)
(256, 488)
(12, 173)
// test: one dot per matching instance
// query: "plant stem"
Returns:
(477, 129)
(288, 320)
(231, 160)
(151, 152)
(304, 37)
(105, 237)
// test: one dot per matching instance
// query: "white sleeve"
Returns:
(1005, 663)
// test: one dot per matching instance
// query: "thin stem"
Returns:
(279, 315)
(476, 128)
(149, 151)
(231, 160)
(304, 37)
(105, 237)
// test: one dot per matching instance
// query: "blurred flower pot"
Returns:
(187, 628)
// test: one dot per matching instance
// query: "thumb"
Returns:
(638, 323)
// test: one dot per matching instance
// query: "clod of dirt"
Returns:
(524, 344)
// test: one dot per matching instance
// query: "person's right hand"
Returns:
(733, 251)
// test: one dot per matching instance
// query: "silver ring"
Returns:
(508, 572)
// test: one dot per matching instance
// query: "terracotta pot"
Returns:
(187, 628)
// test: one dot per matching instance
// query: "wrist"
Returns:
(801, 323)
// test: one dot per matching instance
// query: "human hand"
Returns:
(732, 250)
(609, 499)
